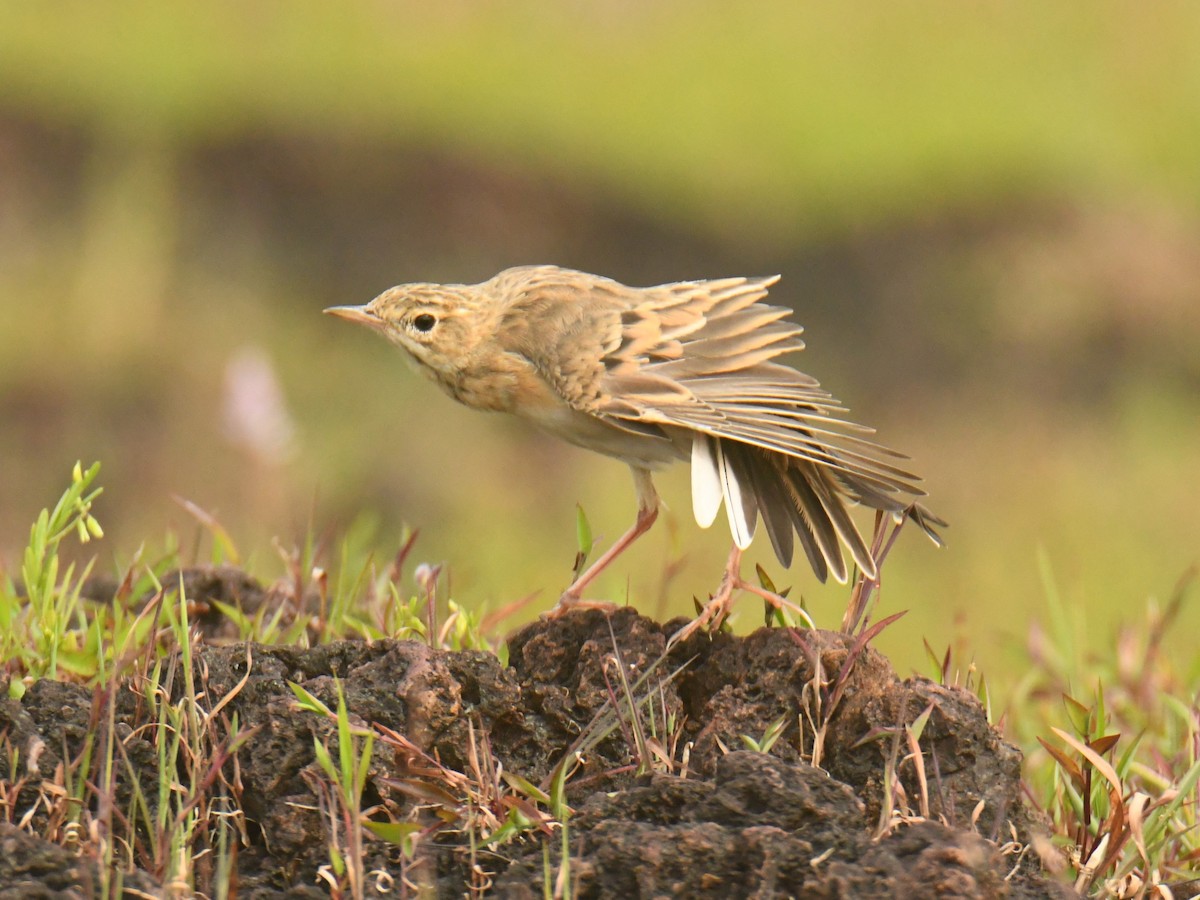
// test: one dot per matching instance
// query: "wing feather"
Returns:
(764, 480)
(706, 481)
(816, 522)
(740, 504)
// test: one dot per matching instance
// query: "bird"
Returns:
(686, 371)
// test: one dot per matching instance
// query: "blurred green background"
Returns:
(986, 215)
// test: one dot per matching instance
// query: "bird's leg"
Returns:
(717, 609)
(648, 504)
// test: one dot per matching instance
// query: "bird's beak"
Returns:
(359, 314)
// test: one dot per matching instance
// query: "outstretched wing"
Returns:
(698, 355)
(768, 438)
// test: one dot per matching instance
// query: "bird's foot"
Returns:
(716, 611)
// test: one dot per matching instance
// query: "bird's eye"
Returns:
(424, 322)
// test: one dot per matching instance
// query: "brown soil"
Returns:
(740, 824)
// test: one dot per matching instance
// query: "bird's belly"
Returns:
(642, 450)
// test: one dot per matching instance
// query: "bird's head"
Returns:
(438, 325)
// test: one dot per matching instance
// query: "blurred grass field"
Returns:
(987, 216)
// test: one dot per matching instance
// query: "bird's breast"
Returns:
(493, 384)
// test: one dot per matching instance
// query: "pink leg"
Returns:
(572, 597)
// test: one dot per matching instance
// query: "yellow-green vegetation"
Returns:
(341, 800)
(34, 629)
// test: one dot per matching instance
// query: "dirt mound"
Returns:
(702, 817)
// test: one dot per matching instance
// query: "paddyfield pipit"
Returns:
(654, 375)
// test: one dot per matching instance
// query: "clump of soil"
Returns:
(704, 817)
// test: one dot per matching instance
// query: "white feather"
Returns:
(706, 481)
(743, 531)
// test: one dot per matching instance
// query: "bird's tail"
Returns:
(797, 499)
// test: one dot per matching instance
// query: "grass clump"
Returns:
(39, 630)
(176, 813)
(1113, 744)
